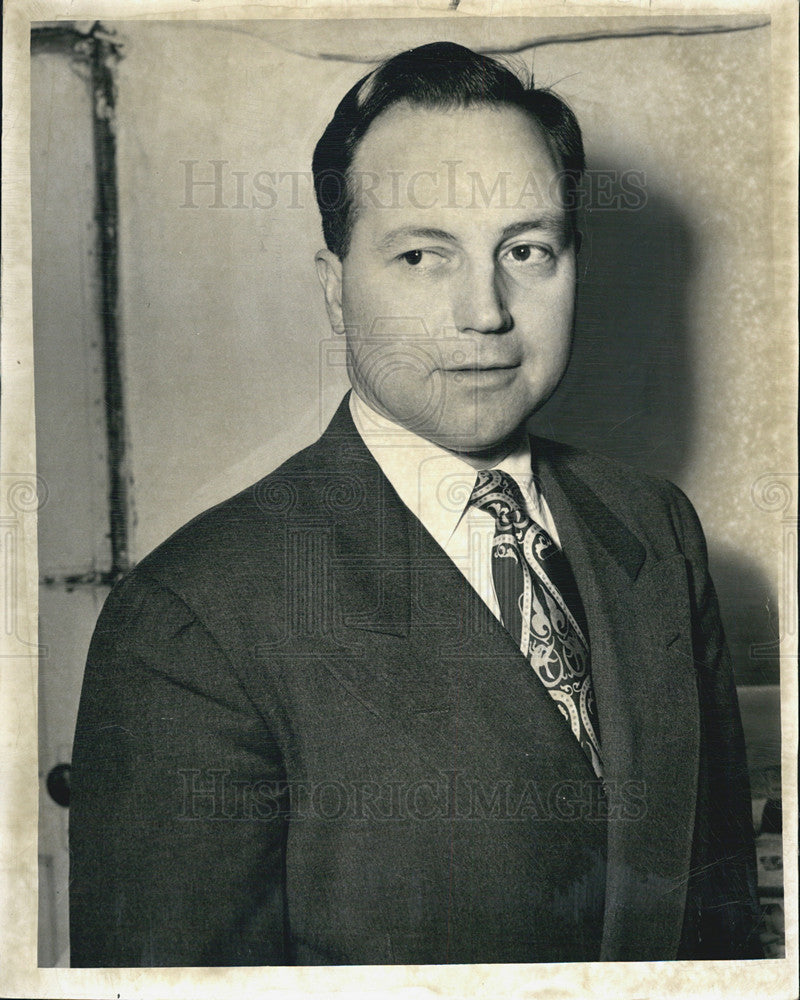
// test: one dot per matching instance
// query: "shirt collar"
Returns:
(432, 482)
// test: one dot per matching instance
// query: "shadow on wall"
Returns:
(630, 389)
(749, 608)
(628, 392)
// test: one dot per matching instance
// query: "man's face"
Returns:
(457, 293)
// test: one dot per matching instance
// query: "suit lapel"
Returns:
(369, 556)
(644, 679)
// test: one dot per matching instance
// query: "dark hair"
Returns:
(439, 75)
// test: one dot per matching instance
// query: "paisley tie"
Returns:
(540, 606)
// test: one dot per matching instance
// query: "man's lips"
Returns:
(481, 368)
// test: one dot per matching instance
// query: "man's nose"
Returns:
(480, 301)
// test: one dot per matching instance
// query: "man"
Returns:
(433, 691)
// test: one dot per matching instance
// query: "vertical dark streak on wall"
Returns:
(97, 52)
(103, 55)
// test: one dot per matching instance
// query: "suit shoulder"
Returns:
(239, 535)
(634, 496)
(597, 468)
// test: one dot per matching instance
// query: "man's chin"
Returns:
(478, 431)
(480, 449)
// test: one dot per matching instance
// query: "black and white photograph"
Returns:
(404, 510)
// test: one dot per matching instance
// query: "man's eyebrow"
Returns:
(421, 233)
(556, 221)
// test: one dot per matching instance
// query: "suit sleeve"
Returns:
(176, 819)
(722, 912)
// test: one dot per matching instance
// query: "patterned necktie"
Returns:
(540, 606)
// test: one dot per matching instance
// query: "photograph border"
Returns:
(22, 493)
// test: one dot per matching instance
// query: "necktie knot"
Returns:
(497, 493)
(493, 487)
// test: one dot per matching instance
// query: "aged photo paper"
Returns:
(165, 343)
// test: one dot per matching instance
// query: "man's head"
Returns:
(446, 188)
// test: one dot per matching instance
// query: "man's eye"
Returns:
(423, 260)
(524, 253)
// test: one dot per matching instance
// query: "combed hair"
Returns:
(439, 75)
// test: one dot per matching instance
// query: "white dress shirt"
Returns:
(436, 486)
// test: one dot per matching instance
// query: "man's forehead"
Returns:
(408, 135)
(415, 162)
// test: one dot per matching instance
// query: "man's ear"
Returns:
(329, 272)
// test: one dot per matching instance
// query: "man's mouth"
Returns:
(501, 366)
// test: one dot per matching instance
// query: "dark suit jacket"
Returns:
(304, 739)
